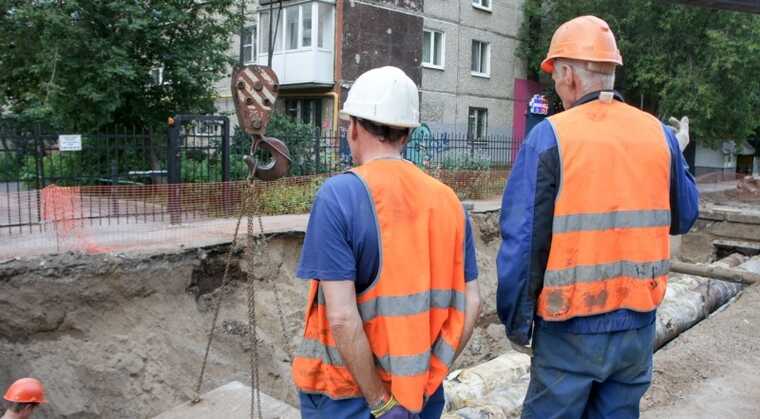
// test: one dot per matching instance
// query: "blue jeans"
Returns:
(316, 406)
(602, 375)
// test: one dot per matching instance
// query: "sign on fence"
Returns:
(72, 142)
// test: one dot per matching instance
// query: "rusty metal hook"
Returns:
(275, 168)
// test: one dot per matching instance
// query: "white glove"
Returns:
(681, 130)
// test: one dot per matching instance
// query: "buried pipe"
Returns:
(495, 389)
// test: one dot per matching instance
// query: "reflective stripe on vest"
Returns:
(610, 244)
(413, 312)
(402, 365)
(409, 304)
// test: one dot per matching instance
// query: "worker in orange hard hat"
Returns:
(586, 219)
(23, 397)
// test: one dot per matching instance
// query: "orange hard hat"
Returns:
(586, 38)
(26, 390)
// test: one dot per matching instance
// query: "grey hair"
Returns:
(593, 75)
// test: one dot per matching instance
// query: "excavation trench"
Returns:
(116, 336)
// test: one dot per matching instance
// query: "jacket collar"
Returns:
(595, 95)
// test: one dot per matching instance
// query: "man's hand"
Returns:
(399, 412)
(525, 349)
(681, 130)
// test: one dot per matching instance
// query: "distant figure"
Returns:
(23, 396)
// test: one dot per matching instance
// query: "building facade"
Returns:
(459, 52)
(469, 67)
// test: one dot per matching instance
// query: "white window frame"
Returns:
(475, 138)
(286, 11)
(318, 28)
(487, 73)
(281, 41)
(430, 64)
(254, 42)
(478, 4)
(300, 25)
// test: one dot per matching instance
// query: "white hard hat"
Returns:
(384, 95)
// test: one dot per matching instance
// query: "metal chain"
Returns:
(197, 396)
(253, 248)
(285, 336)
(277, 300)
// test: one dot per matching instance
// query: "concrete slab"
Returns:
(231, 401)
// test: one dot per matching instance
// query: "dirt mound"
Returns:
(119, 337)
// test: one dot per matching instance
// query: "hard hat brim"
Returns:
(547, 65)
(345, 115)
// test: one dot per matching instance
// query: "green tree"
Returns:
(85, 64)
(678, 60)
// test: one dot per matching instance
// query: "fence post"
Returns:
(173, 167)
(38, 165)
(317, 158)
(226, 193)
(225, 149)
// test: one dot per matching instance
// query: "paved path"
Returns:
(138, 237)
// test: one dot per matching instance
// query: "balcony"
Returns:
(303, 44)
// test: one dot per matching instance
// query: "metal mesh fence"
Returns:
(146, 218)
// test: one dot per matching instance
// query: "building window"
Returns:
(291, 27)
(306, 111)
(477, 125)
(433, 49)
(325, 25)
(297, 28)
(264, 33)
(481, 59)
(482, 4)
(248, 41)
(306, 25)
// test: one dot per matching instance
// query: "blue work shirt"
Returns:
(341, 238)
(526, 227)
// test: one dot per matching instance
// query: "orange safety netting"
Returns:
(62, 207)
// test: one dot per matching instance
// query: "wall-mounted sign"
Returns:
(71, 142)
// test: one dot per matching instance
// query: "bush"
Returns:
(300, 139)
(286, 198)
(465, 160)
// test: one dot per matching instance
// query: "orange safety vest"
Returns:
(610, 245)
(413, 312)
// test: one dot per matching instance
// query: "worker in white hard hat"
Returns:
(391, 263)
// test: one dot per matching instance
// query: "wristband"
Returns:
(382, 408)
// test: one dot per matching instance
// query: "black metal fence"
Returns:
(195, 149)
(31, 157)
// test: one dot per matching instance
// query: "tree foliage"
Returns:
(678, 60)
(84, 64)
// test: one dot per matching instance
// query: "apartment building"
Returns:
(469, 68)
(460, 53)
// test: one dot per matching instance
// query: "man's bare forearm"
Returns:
(351, 340)
(471, 313)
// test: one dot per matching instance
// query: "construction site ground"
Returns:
(713, 369)
(121, 335)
